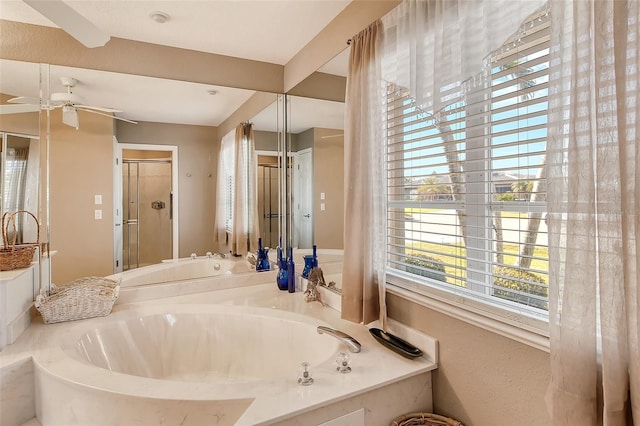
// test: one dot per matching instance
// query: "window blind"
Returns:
(466, 182)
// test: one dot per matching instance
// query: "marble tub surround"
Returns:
(383, 382)
(17, 392)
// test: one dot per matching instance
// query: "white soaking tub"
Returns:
(218, 345)
(182, 269)
(225, 357)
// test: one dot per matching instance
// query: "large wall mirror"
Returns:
(86, 195)
(23, 159)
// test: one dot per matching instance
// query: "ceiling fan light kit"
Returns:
(70, 116)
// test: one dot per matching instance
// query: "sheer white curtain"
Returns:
(245, 201)
(365, 201)
(594, 205)
(432, 45)
(236, 223)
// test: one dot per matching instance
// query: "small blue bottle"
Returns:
(315, 257)
(308, 265)
(291, 271)
(262, 263)
(282, 279)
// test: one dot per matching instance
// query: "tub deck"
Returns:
(382, 382)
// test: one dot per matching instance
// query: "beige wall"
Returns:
(197, 170)
(328, 178)
(80, 168)
(482, 378)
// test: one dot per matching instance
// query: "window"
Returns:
(466, 185)
(227, 164)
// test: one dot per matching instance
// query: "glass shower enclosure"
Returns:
(147, 211)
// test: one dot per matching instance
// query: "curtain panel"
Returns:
(245, 201)
(363, 273)
(431, 45)
(594, 212)
(237, 223)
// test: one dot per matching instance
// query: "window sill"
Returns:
(513, 326)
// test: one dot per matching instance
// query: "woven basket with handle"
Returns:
(428, 419)
(12, 255)
(86, 297)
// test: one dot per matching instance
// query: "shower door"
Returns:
(268, 204)
(147, 212)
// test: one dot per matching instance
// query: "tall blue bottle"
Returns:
(315, 257)
(282, 279)
(291, 271)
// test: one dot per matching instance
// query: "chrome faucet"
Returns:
(352, 344)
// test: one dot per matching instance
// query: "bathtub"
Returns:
(225, 357)
(182, 269)
(252, 346)
(202, 267)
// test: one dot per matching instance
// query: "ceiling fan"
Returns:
(74, 24)
(69, 102)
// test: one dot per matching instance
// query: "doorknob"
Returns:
(307, 215)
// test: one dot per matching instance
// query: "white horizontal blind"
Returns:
(466, 183)
(228, 163)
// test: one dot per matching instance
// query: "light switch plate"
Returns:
(98, 199)
(97, 214)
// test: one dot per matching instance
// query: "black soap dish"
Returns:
(395, 343)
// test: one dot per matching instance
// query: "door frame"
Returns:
(117, 197)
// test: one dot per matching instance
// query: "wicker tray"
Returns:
(83, 298)
(12, 255)
(428, 419)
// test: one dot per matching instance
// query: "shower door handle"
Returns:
(171, 206)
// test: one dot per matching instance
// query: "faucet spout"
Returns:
(352, 344)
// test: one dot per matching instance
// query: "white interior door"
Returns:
(303, 199)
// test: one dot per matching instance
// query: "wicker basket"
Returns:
(428, 419)
(12, 255)
(83, 298)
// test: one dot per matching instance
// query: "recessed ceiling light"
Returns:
(159, 17)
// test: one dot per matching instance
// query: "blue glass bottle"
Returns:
(315, 257)
(291, 271)
(262, 263)
(308, 265)
(282, 279)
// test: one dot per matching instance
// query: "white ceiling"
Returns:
(251, 29)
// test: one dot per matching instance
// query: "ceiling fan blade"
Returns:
(24, 100)
(76, 25)
(93, 111)
(17, 109)
(102, 109)
(35, 103)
